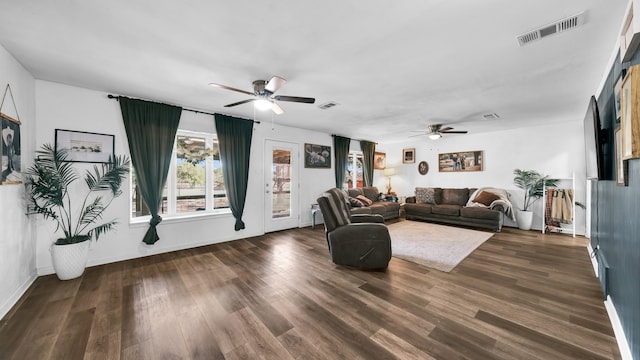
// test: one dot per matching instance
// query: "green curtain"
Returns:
(151, 131)
(341, 146)
(234, 141)
(368, 150)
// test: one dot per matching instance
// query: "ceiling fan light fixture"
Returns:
(435, 136)
(262, 104)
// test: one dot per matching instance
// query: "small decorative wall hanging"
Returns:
(423, 168)
(408, 156)
(379, 160)
(85, 146)
(317, 156)
(10, 151)
(460, 161)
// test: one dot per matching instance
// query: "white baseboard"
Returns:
(149, 250)
(13, 299)
(594, 261)
(623, 345)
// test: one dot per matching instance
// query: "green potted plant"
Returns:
(49, 193)
(532, 182)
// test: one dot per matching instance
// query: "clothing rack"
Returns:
(571, 230)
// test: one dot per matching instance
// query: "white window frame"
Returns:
(171, 213)
(354, 154)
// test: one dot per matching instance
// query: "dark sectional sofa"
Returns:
(444, 205)
(388, 209)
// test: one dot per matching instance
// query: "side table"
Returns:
(314, 209)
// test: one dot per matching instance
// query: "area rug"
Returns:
(436, 246)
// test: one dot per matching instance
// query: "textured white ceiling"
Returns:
(392, 67)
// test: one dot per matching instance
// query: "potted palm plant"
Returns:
(532, 182)
(48, 185)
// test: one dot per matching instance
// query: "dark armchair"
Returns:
(360, 241)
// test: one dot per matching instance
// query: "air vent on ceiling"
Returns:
(557, 27)
(491, 116)
(327, 105)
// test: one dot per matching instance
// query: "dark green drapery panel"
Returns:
(341, 146)
(151, 130)
(368, 150)
(234, 141)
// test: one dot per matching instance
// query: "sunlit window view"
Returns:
(281, 190)
(195, 178)
(354, 176)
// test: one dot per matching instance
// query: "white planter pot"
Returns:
(69, 261)
(525, 219)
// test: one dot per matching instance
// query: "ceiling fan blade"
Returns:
(453, 132)
(277, 109)
(423, 134)
(240, 102)
(274, 84)
(305, 100)
(445, 129)
(231, 88)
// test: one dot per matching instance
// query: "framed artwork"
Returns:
(460, 161)
(629, 116)
(423, 168)
(408, 156)
(616, 92)
(379, 160)
(622, 170)
(10, 150)
(317, 156)
(85, 146)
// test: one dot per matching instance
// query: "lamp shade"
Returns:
(389, 171)
(435, 136)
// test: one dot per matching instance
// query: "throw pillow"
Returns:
(365, 201)
(425, 195)
(355, 202)
(486, 198)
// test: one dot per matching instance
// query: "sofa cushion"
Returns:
(364, 200)
(480, 213)
(355, 202)
(371, 192)
(486, 198)
(450, 210)
(355, 192)
(455, 196)
(425, 195)
(417, 209)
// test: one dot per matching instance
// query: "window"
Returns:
(195, 184)
(354, 162)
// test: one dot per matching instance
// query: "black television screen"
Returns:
(593, 142)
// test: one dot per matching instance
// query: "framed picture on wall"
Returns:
(621, 164)
(408, 156)
(460, 161)
(317, 156)
(85, 146)
(379, 160)
(10, 150)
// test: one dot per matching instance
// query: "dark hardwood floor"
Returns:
(520, 295)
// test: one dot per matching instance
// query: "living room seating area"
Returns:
(484, 207)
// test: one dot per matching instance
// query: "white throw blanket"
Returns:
(503, 201)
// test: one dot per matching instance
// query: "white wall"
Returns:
(556, 150)
(67, 107)
(17, 260)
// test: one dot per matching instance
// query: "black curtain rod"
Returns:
(334, 135)
(195, 111)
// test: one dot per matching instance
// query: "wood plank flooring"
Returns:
(520, 295)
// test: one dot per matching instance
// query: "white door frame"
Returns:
(293, 219)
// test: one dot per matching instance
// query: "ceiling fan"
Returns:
(436, 131)
(263, 95)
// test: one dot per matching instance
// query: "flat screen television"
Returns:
(594, 140)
